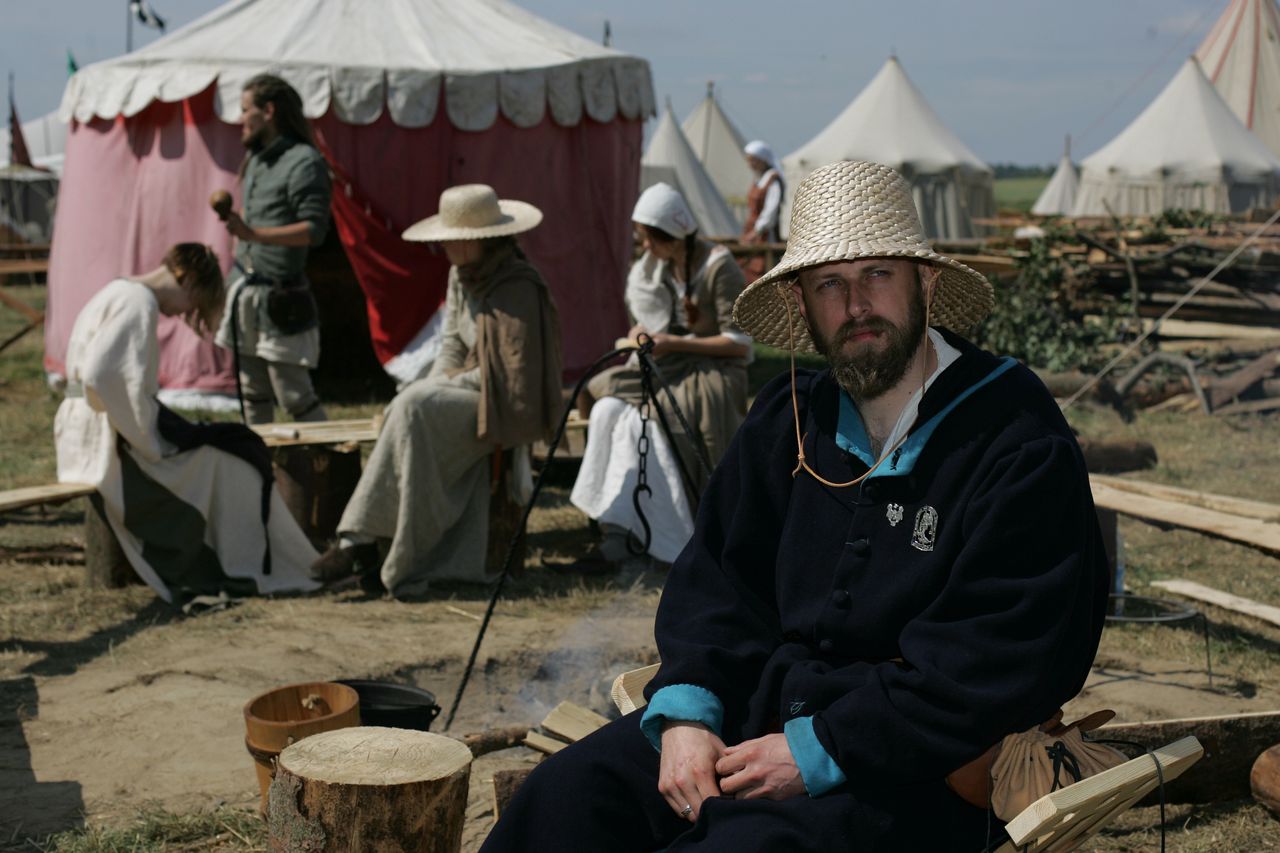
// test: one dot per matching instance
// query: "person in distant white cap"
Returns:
(423, 498)
(680, 292)
(897, 563)
(764, 203)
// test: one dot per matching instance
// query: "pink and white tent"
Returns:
(1241, 57)
(407, 97)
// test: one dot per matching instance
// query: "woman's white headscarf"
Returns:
(761, 151)
(661, 206)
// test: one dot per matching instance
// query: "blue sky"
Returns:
(1011, 77)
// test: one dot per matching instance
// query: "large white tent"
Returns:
(670, 157)
(1059, 195)
(46, 139)
(891, 123)
(1241, 57)
(718, 144)
(406, 97)
(1186, 150)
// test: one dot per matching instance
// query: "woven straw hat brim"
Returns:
(517, 217)
(962, 297)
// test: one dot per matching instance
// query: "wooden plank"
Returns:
(1062, 819)
(542, 743)
(1263, 535)
(18, 266)
(318, 432)
(1222, 503)
(1231, 742)
(572, 722)
(1225, 600)
(628, 689)
(52, 493)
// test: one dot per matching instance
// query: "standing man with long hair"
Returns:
(271, 321)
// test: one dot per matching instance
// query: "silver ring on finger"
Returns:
(686, 811)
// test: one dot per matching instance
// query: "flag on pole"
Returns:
(145, 14)
(72, 67)
(18, 153)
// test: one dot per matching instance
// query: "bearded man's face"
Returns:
(867, 317)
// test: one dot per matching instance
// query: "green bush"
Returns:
(1033, 319)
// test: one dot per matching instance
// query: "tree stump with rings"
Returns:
(370, 788)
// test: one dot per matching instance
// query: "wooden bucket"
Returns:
(286, 715)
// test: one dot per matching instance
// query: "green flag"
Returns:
(72, 68)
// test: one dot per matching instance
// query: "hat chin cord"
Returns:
(801, 464)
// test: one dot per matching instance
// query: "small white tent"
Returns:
(1185, 150)
(718, 145)
(1059, 195)
(891, 123)
(46, 139)
(1241, 57)
(670, 155)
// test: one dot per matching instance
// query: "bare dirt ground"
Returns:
(114, 703)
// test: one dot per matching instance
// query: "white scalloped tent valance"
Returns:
(363, 56)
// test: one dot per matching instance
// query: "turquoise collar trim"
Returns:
(851, 435)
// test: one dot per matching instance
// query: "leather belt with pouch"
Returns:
(974, 782)
(290, 305)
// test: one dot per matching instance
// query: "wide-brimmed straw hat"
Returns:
(474, 212)
(843, 212)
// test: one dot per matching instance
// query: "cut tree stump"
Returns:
(1264, 780)
(369, 789)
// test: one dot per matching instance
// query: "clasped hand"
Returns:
(696, 764)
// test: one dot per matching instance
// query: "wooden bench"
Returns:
(1062, 820)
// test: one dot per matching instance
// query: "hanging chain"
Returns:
(635, 544)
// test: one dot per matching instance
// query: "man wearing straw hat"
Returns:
(896, 564)
(423, 499)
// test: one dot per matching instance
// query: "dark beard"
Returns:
(867, 376)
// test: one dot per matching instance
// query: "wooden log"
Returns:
(1264, 780)
(1231, 744)
(505, 785)
(1116, 456)
(492, 740)
(1250, 407)
(105, 564)
(1227, 388)
(369, 788)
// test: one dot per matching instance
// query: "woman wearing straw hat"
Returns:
(896, 564)
(424, 495)
(680, 292)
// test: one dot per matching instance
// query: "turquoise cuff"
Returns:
(818, 769)
(684, 703)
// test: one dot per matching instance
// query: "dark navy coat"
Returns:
(897, 629)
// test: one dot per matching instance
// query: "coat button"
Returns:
(826, 647)
(840, 598)
(860, 547)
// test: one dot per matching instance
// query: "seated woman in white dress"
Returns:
(194, 506)
(680, 292)
(421, 507)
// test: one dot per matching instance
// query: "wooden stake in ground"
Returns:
(369, 788)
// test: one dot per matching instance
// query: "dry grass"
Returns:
(155, 829)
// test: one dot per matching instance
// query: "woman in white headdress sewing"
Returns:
(764, 204)
(680, 292)
(194, 506)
